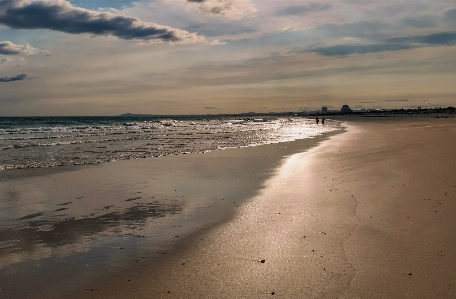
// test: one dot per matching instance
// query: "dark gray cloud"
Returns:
(450, 15)
(9, 48)
(12, 79)
(61, 15)
(392, 44)
(303, 9)
(344, 50)
(436, 39)
(420, 22)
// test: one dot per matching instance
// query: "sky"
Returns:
(108, 57)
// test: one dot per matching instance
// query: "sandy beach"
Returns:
(93, 222)
(368, 213)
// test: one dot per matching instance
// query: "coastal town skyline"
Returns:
(81, 57)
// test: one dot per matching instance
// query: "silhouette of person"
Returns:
(317, 120)
(323, 120)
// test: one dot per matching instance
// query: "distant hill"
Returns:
(134, 115)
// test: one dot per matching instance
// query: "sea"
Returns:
(36, 142)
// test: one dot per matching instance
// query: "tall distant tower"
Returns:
(345, 109)
(324, 110)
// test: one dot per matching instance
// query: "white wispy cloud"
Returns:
(217, 43)
(297, 28)
(13, 61)
(350, 39)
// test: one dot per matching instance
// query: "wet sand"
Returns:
(92, 223)
(366, 214)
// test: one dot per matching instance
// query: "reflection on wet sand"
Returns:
(54, 233)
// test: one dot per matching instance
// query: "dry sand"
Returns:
(367, 214)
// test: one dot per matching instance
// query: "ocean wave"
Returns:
(35, 145)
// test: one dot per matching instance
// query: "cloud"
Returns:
(9, 48)
(350, 39)
(15, 60)
(361, 29)
(343, 50)
(420, 22)
(217, 43)
(220, 30)
(393, 44)
(442, 38)
(450, 15)
(296, 29)
(300, 10)
(15, 78)
(230, 8)
(61, 15)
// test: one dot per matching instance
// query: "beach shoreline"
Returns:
(141, 209)
(352, 218)
(364, 214)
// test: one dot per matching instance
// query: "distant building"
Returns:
(324, 110)
(345, 109)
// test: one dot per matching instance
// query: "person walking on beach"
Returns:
(323, 120)
(317, 120)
